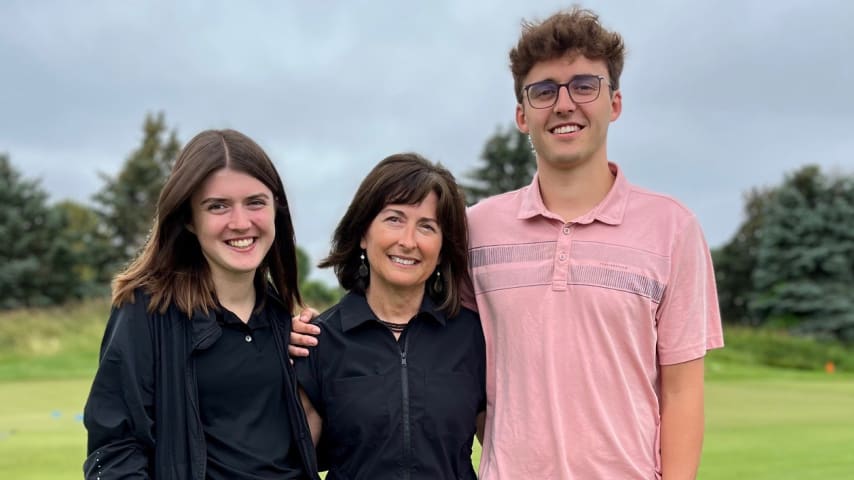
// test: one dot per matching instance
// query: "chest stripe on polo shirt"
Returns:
(618, 280)
(591, 264)
(529, 252)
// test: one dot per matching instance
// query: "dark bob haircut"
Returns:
(405, 179)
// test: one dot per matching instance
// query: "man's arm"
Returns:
(303, 333)
(682, 419)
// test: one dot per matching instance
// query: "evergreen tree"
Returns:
(86, 238)
(128, 200)
(805, 257)
(36, 265)
(735, 261)
(508, 164)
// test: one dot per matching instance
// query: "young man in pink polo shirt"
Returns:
(597, 297)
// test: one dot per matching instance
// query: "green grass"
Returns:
(763, 422)
(40, 434)
(59, 343)
(780, 429)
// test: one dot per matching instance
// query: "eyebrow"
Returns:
(550, 79)
(256, 196)
(402, 214)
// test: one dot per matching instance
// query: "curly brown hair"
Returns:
(576, 31)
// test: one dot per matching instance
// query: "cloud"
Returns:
(719, 96)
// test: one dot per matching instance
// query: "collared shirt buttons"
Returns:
(562, 256)
(248, 338)
(567, 229)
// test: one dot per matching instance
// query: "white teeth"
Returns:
(566, 129)
(402, 261)
(242, 243)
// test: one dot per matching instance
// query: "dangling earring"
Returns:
(531, 143)
(363, 268)
(438, 284)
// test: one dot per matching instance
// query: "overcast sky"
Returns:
(718, 96)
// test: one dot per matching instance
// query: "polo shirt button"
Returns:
(248, 338)
(567, 229)
(562, 257)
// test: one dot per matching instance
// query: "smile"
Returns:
(241, 242)
(402, 261)
(566, 129)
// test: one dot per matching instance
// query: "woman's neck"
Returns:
(395, 307)
(237, 295)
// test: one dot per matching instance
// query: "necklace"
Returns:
(394, 327)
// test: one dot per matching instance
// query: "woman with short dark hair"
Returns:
(396, 383)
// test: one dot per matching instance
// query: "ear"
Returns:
(616, 105)
(521, 120)
(362, 244)
(190, 228)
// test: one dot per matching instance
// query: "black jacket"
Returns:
(142, 415)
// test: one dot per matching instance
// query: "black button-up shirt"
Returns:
(242, 403)
(396, 409)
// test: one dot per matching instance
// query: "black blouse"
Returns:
(242, 403)
(396, 408)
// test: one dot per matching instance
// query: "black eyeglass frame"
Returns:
(568, 90)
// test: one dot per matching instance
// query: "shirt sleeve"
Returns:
(119, 411)
(689, 321)
(309, 374)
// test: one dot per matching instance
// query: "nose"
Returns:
(407, 238)
(239, 219)
(564, 102)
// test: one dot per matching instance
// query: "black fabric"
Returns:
(242, 403)
(142, 415)
(354, 378)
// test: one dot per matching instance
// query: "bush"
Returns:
(777, 348)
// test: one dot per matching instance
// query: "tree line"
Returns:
(67, 251)
(789, 265)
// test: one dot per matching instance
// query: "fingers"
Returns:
(301, 327)
(303, 333)
(306, 316)
(295, 351)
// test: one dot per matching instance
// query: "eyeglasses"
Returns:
(582, 89)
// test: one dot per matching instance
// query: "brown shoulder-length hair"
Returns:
(171, 266)
(406, 179)
(575, 31)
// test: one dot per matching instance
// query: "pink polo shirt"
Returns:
(578, 316)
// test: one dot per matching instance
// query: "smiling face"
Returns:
(403, 244)
(567, 134)
(234, 221)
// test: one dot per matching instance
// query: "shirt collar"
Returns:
(355, 311)
(205, 327)
(610, 210)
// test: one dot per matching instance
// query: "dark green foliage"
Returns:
(127, 201)
(508, 164)
(804, 267)
(315, 293)
(85, 237)
(318, 295)
(735, 261)
(36, 263)
(777, 348)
